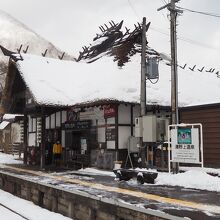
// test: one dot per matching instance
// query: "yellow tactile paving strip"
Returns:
(176, 202)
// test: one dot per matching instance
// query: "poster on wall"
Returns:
(72, 115)
(184, 136)
(110, 134)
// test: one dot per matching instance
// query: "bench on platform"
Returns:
(141, 176)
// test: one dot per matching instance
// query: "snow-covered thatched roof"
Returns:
(57, 82)
(4, 124)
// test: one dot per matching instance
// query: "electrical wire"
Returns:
(133, 9)
(199, 12)
(187, 40)
(164, 2)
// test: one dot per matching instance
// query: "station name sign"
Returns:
(77, 125)
(185, 145)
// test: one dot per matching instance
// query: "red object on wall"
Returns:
(109, 111)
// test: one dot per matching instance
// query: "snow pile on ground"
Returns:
(26, 208)
(9, 159)
(190, 179)
(194, 179)
(213, 171)
(96, 172)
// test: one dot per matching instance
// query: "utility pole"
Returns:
(174, 76)
(143, 69)
(143, 87)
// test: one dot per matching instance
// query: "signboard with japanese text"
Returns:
(110, 134)
(77, 125)
(185, 145)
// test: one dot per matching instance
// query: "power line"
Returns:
(161, 31)
(163, 1)
(200, 12)
(133, 9)
(187, 40)
(190, 41)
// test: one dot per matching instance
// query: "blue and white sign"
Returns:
(186, 145)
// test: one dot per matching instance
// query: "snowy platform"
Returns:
(181, 195)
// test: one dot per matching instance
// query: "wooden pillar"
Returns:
(116, 132)
(132, 127)
(25, 137)
(42, 146)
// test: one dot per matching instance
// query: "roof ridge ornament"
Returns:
(13, 55)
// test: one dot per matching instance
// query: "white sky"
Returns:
(71, 24)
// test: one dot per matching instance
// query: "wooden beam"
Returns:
(42, 147)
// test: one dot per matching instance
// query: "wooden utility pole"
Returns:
(143, 88)
(143, 69)
(174, 75)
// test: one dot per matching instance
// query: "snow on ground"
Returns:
(25, 208)
(207, 170)
(9, 159)
(193, 178)
(96, 172)
(190, 179)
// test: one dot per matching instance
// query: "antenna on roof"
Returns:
(61, 57)
(102, 28)
(192, 69)
(25, 51)
(183, 67)
(127, 30)
(113, 23)
(19, 49)
(209, 71)
(45, 52)
(200, 70)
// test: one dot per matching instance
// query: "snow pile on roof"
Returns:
(9, 159)
(4, 124)
(190, 179)
(10, 116)
(58, 82)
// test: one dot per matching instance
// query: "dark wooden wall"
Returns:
(209, 117)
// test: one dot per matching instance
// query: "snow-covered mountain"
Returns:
(13, 34)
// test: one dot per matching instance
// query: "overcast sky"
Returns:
(71, 24)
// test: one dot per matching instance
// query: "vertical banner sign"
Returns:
(185, 145)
